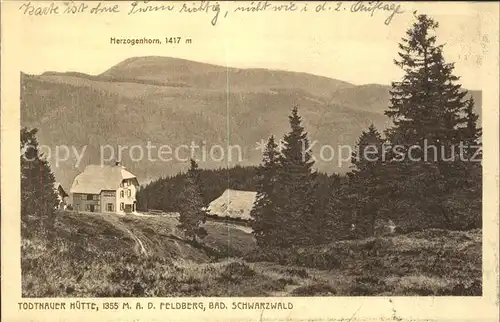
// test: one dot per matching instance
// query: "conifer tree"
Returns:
(367, 181)
(38, 196)
(194, 171)
(369, 154)
(264, 223)
(332, 215)
(472, 132)
(296, 187)
(192, 214)
(342, 209)
(427, 107)
(427, 103)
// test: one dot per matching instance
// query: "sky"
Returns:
(356, 47)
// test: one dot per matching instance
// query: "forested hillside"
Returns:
(165, 193)
(172, 102)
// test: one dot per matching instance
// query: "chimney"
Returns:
(117, 159)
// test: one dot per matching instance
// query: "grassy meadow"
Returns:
(97, 255)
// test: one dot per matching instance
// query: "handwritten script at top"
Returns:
(211, 8)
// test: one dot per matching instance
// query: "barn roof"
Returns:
(96, 178)
(233, 203)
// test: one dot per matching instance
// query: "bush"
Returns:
(367, 285)
(236, 271)
(460, 289)
(316, 289)
(362, 290)
(298, 272)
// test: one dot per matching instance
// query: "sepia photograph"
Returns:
(267, 150)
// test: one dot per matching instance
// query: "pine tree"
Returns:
(194, 171)
(342, 208)
(192, 214)
(427, 104)
(427, 108)
(369, 152)
(465, 201)
(472, 133)
(331, 212)
(264, 222)
(367, 181)
(296, 187)
(38, 196)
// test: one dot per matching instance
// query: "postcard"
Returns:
(249, 161)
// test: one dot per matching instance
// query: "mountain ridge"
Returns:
(178, 102)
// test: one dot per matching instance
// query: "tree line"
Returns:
(166, 193)
(295, 205)
(427, 182)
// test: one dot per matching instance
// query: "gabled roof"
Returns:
(233, 203)
(59, 188)
(96, 178)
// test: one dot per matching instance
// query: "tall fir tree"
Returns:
(368, 182)
(194, 172)
(472, 133)
(264, 224)
(369, 152)
(191, 206)
(431, 118)
(427, 104)
(296, 187)
(332, 218)
(38, 195)
(342, 208)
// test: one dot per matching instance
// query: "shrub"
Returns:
(108, 231)
(460, 289)
(148, 231)
(315, 289)
(298, 272)
(236, 271)
(367, 285)
(127, 219)
(362, 290)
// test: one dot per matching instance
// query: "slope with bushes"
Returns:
(98, 255)
(428, 262)
(84, 244)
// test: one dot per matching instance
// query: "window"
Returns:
(129, 193)
(109, 207)
(90, 197)
(122, 193)
(121, 206)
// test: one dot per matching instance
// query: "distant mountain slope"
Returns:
(175, 102)
(186, 73)
(375, 97)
